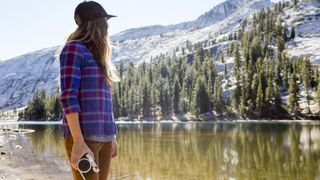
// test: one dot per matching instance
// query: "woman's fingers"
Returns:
(79, 149)
(114, 149)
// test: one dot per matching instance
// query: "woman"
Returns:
(86, 78)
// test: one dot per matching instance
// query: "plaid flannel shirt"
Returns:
(85, 90)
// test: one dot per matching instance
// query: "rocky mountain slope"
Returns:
(143, 44)
(305, 17)
(21, 76)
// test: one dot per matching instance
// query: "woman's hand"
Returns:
(114, 149)
(79, 149)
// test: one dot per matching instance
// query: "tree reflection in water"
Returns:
(205, 150)
(218, 151)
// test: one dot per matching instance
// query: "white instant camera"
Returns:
(86, 165)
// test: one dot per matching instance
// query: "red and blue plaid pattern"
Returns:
(84, 90)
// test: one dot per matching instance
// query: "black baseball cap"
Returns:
(90, 10)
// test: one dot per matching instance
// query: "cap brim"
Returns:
(110, 16)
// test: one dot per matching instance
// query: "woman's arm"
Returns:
(70, 74)
(79, 147)
(73, 122)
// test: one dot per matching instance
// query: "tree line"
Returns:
(256, 85)
(261, 82)
(42, 107)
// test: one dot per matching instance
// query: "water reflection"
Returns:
(201, 150)
(46, 137)
(218, 151)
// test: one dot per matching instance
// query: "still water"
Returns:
(170, 151)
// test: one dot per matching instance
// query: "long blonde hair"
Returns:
(95, 32)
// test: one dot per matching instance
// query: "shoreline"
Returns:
(184, 117)
(9, 122)
(187, 117)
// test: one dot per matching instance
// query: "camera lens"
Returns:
(84, 165)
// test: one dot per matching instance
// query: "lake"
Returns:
(214, 150)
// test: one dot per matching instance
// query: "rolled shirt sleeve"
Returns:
(70, 77)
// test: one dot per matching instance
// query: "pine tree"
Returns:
(269, 92)
(293, 94)
(120, 87)
(165, 98)
(146, 105)
(293, 33)
(188, 85)
(176, 95)
(237, 61)
(259, 98)
(189, 45)
(255, 50)
(37, 108)
(276, 90)
(222, 60)
(306, 78)
(184, 99)
(200, 54)
(138, 93)
(57, 108)
(242, 108)
(280, 43)
(116, 104)
(226, 75)
(235, 37)
(318, 93)
(200, 102)
(130, 102)
(164, 70)
(279, 27)
(317, 74)
(285, 33)
(125, 98)
(219, 103)
(286, 70)
(277, 98)
(235, 96)
(254, 90)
